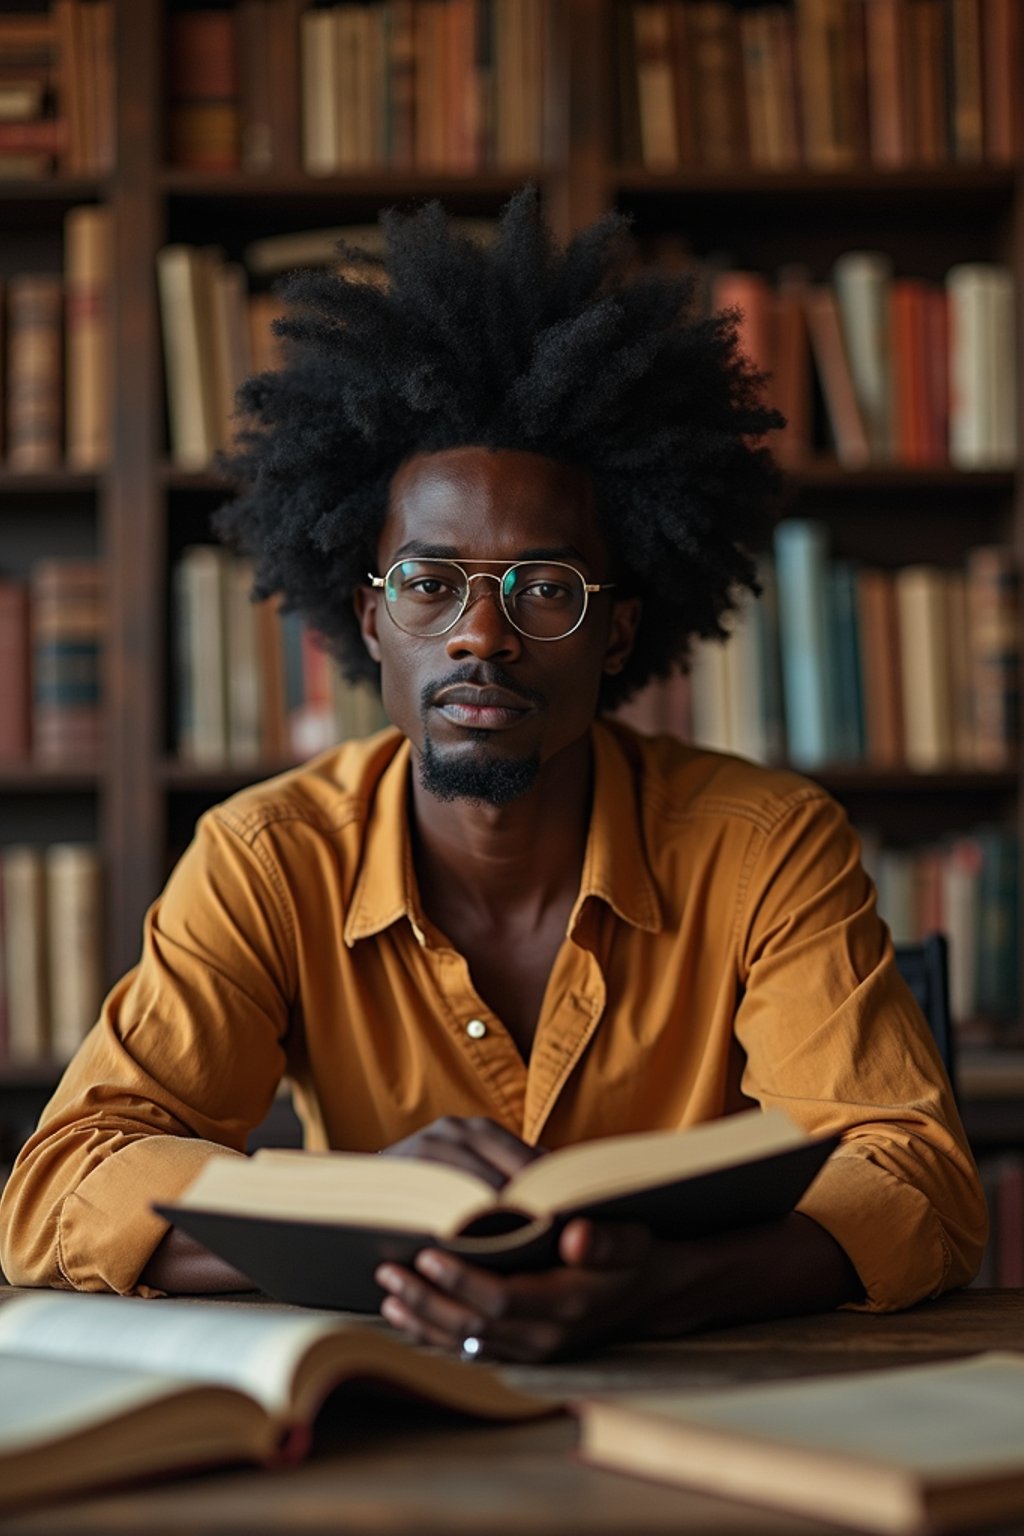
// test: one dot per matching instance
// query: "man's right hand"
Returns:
(477, 1145)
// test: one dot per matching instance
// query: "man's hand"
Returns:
(601, 1290)
(478, 1146)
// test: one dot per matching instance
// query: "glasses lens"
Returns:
(424, 596)
(545, 600)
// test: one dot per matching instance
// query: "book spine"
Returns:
(87, 267)
(924, 649)
(994, 629)
(14, 672)
(203, 90)
(67, 628)
(34, 371)
(74, 944)
(807, 672)
(25, 957)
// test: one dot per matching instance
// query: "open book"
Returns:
(312, 1227)
(102, 1389)
(918, 1448)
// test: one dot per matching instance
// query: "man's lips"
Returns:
(482, 708)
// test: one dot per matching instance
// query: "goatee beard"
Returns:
(480, 779)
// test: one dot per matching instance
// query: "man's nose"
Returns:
(483, 629)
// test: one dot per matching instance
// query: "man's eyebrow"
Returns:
(426, 551)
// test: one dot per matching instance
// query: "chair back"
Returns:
(925, 969)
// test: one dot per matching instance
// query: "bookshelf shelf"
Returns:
(378, 185)
(828, 474)
(61, 191)
(966, 186)
(852, 780)
(27, 778)
(45, 482)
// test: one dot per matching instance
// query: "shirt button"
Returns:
(476, 1029)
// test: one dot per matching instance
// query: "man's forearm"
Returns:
(182, 1267)
(781, 1269)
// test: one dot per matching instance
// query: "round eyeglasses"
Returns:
(542, 599)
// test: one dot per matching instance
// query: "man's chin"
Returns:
(475, 773)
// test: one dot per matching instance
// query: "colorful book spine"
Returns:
(808, 677)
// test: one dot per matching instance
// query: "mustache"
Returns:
(479, 674)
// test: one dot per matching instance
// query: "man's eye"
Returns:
(426, 586)
(547, 591)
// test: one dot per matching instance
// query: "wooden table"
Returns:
(381, 1470)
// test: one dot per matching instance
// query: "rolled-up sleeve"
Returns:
(833, 1037)
(182, 1063)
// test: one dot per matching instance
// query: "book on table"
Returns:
(109, 1389)
(919, 1448)
(312, 1227)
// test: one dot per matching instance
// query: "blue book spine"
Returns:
(801, 553)
(847, 696)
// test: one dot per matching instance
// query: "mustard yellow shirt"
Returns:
(724, 949)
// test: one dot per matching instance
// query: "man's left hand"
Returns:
(600, 1290)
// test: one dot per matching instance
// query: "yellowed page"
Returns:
(254, 1349)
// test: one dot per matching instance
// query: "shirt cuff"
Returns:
(107, 1230)
(888, 1230)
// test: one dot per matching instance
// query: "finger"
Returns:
(559, 1297)
(604, 1245)
(431, 1317)
(443, 1314)
(431, 1147)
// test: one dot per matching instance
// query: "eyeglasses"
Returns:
(542, 599)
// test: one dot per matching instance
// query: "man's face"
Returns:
(483, 705)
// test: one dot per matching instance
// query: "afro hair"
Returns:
(443, 342)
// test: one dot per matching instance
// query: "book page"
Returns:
(619, 1164)
(45, 1400)
(346, 1187)
(252, 1348)
(941, 1421)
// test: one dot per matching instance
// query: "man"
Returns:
(519, 486)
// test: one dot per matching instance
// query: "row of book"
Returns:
(451, 85)
(55, 354)
(966, 886)
(909, 371)
(51, 653)
(51, 946)
(57, 90)
(842, 663)
(1002, 1178)
(828, 84)
(252, 683)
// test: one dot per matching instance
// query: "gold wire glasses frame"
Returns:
(421, 570)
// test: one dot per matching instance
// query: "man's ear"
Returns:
(622, 634)
(364, 601)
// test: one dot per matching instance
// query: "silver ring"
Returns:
(471, 1348)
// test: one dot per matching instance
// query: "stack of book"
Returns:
(253, 684)
(57, 90)
(55, 376)
(827, 84)
(51, 646)
(51, 946)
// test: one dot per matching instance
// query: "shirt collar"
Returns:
(615, 867)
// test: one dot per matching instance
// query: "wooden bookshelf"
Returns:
(138, 799)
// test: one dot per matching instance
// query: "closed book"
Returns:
(711, 683)
(184, 285)
(1002, 31)
(312, 1227)
(886, 44)
(935, 1446)
(659, 141)
(203, 89)
(929, 65)
(430, 103)
(716, 82)
(967, 112)
(200, 630)
(993, 612)
(924, 651)
(272, 709)
(87, 273)
(790, 386)
(909, 363)
(753, 701)
(827, 81)
(862, 282)
(35, 371)
(14, 671)
(847, 730)
(242, 662)
(808, 678)
(961, 680)
(44, 137)
(881, 668)
(960, 923)
(25, 954)
(401, 73)
(68, 625)
(105, 127)
(828, 347)
(229, 356)
(68, 60)
(982, 366)
(749, 295)
(319, 100)
(74, 903)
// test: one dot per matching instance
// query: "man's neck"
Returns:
(514, 857)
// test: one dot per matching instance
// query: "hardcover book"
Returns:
(312, 1227)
